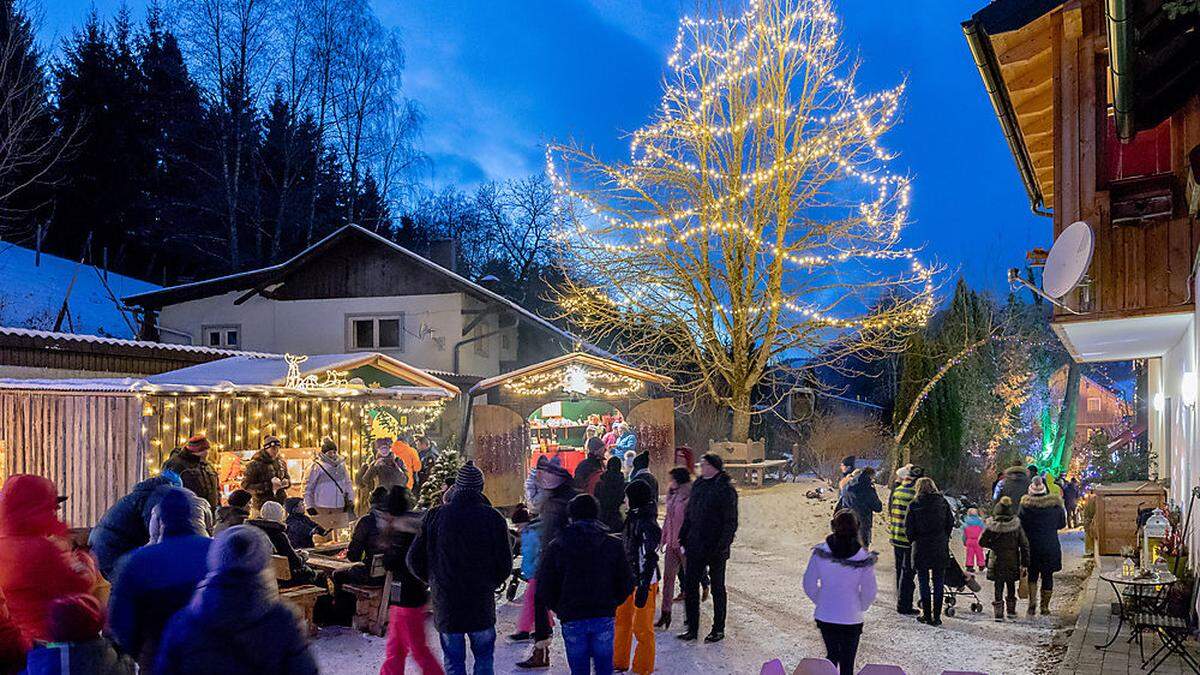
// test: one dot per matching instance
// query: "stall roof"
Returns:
(257, 375)
(572, 358)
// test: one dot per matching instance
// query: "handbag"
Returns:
(347, 500)
(1023, 585)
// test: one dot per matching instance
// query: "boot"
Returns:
(1033, 600)
(925, 616)
(937, 612)
(704, 594)
(539, 659)
(1046, 601)
(664, 621)
(998, 607)
(1012, 606)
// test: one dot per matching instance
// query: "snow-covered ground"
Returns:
(770, 617)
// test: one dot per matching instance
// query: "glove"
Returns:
(311, 511)
(640, 597)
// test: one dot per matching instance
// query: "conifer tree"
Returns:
(441, 474)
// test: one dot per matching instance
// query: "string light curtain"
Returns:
(756, 219)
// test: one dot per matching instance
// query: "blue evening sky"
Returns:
(497, 79)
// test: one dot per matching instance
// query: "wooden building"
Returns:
(1098, 101)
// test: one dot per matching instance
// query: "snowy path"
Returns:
(769, 616)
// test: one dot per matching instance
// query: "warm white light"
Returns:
(1187, 388)
(1159, 402)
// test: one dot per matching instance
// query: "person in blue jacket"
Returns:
(126, 525)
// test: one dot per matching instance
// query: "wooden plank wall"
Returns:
(89, 444)
(1134, 267)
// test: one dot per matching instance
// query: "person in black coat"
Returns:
(861, 498)
(272, 523)
(409, 595)
(928, 525)
(709, 526)
(559, 488)
(191, 463)
(1042, 516)
(641, 471)
(126, 524)
(583, 578)
(1014, 485)
(236, 624)
(1070, 494)
(463, 552)
(265, 476)
(235, 512)
(591, 467)
(300, 527)
(610, 492)
(635, 617)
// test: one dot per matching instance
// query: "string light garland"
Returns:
(575, 379)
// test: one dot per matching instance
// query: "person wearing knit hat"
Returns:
(641, 472)
(463, 552)
(709, 526)
(197, 474)
(75, 641)
(583, 578)
(1042, 515)
(236, 622)
(559, 489)
(328, 492)
(272, 520)
(235, 511)
(1003, 536)
(265, 475)
(384, 470)
(635, 616)
(167, 571)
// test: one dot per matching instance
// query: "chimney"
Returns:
(444, 252)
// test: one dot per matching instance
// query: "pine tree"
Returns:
(441, 474)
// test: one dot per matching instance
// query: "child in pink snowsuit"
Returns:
(972, 530)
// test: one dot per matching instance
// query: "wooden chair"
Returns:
(815, 667)
(303, 597)
(371, 602)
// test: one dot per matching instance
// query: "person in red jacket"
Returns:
(13, 645)
(36, 561)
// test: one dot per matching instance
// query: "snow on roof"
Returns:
(121, 342)
(272, 371)
(32, 295)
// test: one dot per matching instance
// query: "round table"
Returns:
(1148, 588)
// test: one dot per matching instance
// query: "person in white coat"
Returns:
(840, 580)
(328, 492)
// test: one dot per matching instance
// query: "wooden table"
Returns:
(328, 564)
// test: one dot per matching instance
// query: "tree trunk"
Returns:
(1064, 437)
(740, 433)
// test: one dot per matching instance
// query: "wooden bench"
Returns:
(371, 602)
(753, 473)
(303, 597)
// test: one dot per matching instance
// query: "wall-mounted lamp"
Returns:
(1159, 402)
(1187, 388)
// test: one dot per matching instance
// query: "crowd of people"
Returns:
(1020, 538)
(172, 580)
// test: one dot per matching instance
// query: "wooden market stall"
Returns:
(546, 408)
(95, 438)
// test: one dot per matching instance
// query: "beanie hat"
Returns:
(915, 472)
(583, 507)
(614, 464)
(642, 460)
(904, 471)
(175, 511)
(75, 618)
(273, 511)
(1037, 487)
(595, 446)
(327, 445)
(197, 444)
(379, 498)
(714, 460)
(469, 478)
(271, 440)
(242, 548)
(293, 505)
(639, 493)
(1004, 508)
(239, 498)
(399, 500)
(849, 460)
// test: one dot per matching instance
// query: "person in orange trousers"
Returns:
(635, 617)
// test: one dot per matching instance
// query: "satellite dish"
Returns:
(1068, 260)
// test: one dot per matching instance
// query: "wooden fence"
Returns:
(89, 443)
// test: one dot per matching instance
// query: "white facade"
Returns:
(429, 328)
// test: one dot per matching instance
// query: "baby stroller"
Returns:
(959, 584)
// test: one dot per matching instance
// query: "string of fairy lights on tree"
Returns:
(755, 211)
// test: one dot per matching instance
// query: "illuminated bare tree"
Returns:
(756, 223)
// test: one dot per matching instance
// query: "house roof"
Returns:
(573, 358)
(266, 276)
(265, 375)
(35, 287)
(11, 336)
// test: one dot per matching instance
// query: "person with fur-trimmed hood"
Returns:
(1042, 516)
(1013, 485)
(840, 580)
(1003, 536)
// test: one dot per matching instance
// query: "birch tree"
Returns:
(756, 224)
